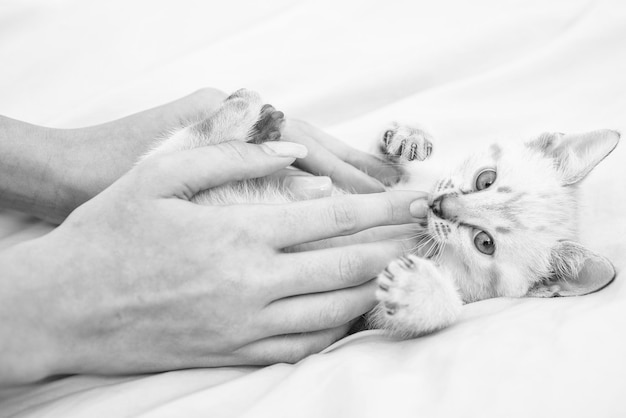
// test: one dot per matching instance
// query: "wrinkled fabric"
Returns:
(472, 72)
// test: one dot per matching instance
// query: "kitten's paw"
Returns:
(405, 143)
(232, 121)
(242, 108)
(415, 297)
(269, 125)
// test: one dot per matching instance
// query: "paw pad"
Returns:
(268, 126)
(393, 281)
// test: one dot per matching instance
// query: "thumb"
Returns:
(185, 173)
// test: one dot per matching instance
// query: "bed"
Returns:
(471, 72)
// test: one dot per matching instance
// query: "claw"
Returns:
(408, 263)
(387, 273)
(387, 137)
(413, 153)
(429, 148)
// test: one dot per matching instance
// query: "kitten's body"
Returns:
(520, 198)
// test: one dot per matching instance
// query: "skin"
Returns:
(133, 281)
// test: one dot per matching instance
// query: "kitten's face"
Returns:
(498, 218)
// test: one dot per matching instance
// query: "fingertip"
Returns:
(309, 187)
(419, 208)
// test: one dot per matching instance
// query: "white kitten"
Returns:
(502, 224)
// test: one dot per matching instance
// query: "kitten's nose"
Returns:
(436, 206)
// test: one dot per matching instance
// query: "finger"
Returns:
(333, 268)
(298, 131)
(184, 173)
(319, 311)
(289, 348)
(322, 162)
(312, 220)
(404, 235)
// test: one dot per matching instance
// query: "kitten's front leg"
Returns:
(403, 143)
(416, 297)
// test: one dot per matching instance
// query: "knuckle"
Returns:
(343, 217)
(334, 315)
(158, 164)
(297, 353)
(234, 151)
(333, 169)
(311, 346)
(391, 211)
(349, 267)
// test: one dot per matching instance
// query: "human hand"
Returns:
(139, 279)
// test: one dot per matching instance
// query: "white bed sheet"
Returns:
(470, 71)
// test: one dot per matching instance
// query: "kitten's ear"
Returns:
(577, 154)
(576, 271)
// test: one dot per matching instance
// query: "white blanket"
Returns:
(470, 71)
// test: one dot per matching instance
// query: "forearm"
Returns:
(49, 172)
(34, 168)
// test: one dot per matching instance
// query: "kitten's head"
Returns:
(505, 221)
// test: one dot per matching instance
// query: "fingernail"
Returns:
(285, 149)
(419, 208)
(310, 187)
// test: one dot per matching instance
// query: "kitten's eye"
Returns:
(484, 243)
(485, 178)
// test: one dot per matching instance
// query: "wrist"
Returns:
(34, 169)
(32, 341)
